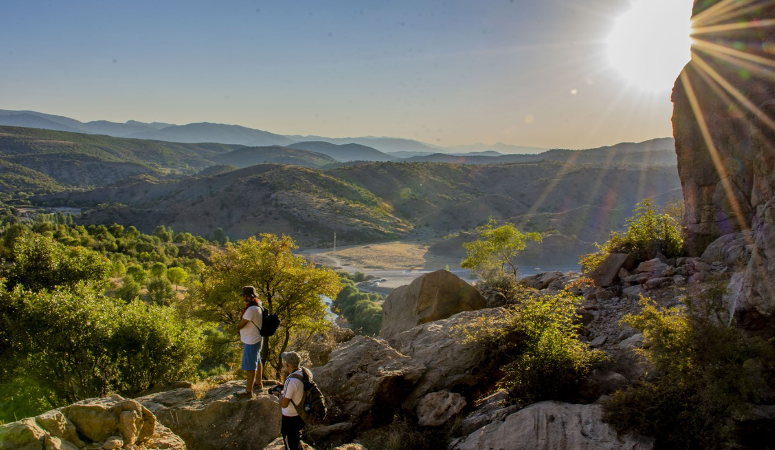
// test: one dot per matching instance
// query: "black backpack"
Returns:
(313, 403)
(269, 323)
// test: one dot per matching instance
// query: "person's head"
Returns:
(291, 361)
(249, 293)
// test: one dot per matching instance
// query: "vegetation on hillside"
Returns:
(706, 376)
(649, 233)
(362, 310)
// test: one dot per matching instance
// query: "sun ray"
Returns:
(719, 9)
(734, 26)
(709, 46)
(713, 151)
(734, 13)
(696, 59)
(747, 65)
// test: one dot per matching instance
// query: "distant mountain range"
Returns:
(345, 152)
(390, 148)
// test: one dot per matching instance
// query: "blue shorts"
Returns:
(251, 356)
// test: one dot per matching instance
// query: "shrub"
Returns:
(707, 375)
(539, 337)
(648, 233)
(493, 255)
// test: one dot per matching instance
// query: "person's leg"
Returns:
(259, 376)
(292, 432)
(249, 384)
(249, 365)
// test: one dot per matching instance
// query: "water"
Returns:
(525, 271)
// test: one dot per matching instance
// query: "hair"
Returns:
(291, 358)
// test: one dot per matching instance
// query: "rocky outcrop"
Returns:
(366, 380)
(452, 363)
(106, 423)
(218, 420)
(436, 408)
(433, 296)
(551, 426)
(607, 272)
(724, 127)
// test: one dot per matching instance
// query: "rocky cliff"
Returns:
(724, 127)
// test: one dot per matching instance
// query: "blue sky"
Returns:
(522, 72)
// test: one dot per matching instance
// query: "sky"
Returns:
(446, 72)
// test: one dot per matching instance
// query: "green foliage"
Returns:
(177, 275)
(649, 232)
(707, 375)
(539, 336)
(287, 284)
(160, 291)
(359, 308)
(496, 250)
(39, 262)
(77, 344)
(158, 270)
(129, 290)
(138, 274)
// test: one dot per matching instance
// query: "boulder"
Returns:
(433, 296)
(733, 249)
(599, 383)
(551, 426)
(220, 420)
(541, 280)
(436, 408)
(366, 380)
(633, 291)
(608, 271)
(329, 435)
(451, 363)
(323, 344)
(653, 267)
(132, 427)
(491, 409)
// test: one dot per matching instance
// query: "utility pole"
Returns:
(334, 241)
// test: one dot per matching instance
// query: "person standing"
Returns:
(249, 329)
(290, 398)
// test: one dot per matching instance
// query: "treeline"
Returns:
(362, 310)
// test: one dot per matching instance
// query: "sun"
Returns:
(651, 42)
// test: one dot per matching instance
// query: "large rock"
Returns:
(433, 296)
(725, 141)
(104, 423)
(541, 280)
(734, 249)
(436, 408)
(551, 426)
(366, 380)
(452, 363)
(607, 272)
(219, 420)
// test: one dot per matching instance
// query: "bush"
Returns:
(707, 375)
(359, 308)
(493, 255)
(649, 233)
(539, 337)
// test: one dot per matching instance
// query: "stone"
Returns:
(24, 434)
(654, 283)
(129, 422)
(172, 398)
(551, 426)
(493, 408)
(698, 277)
(734, 249)
(96, 419)
(451, 362)
(433, 296)
(163, 438)
(542, 280)
(330, 435)
(220, 420)
(652, 267)
(607, 272)
(598, 341)
(600, 383)
(366, 380)
(624, 273)
(632, 342)
(633, 291)
(436, 408)
(55, 443)
(112, 443)
(59, 426)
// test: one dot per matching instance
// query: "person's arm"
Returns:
(242, 324)
(284, 402)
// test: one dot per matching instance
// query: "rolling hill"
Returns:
(249, 156)
(214, 132)
(344, 152)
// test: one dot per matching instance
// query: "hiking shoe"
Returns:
(243, 394)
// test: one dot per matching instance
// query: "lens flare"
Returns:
(651, 43)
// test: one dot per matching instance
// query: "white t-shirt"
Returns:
(294, 390)
(249, 333)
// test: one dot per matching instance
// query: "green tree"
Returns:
(287, 284)
(160, 291)
(129, 290)
(138, 274)
(39, 263)
(493, 255)
(177, 275)
(158, 270)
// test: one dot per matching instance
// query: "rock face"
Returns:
(551, 426)
(112, 422)
(608, 271)
(452, 364)
(219, 420)
(437, 408)
(366, 380)
(433, 296)
(726, 150)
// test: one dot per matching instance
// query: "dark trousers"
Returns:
(291, 431)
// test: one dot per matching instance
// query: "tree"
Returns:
(287, 284)
(138, 273)
(177, 275)
(129, 290)
(160, 291)
(39, 263)
(493, 255)
(158, 270)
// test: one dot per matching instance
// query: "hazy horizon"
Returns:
(447, 73)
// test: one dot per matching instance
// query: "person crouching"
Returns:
(291, 396)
